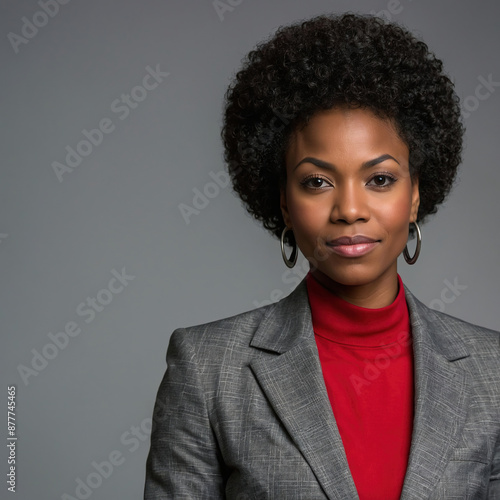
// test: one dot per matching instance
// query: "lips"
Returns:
(348, 240)
(352, 246)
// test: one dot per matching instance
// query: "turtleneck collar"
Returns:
(339, 321)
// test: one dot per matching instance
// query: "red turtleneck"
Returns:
(367, 364)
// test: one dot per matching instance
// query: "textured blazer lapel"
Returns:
(290, 374)
(441, 398)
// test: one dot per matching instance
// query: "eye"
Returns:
(382, 180)
(315, 182)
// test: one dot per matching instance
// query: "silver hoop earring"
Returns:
(412, 260)
(293, 257)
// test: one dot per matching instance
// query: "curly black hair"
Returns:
(332, 60)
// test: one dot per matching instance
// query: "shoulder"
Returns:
(482, 343)
(215, 354)
(241, 326)
(220, 339)
(470, 330)
(272, 321)
(452, 335)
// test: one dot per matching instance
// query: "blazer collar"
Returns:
(289, 321)
(290, 374)
(286, 322)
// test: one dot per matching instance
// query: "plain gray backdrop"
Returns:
(88, 392)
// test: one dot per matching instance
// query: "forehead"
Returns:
(339, 131)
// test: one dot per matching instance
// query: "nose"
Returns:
(349, 204)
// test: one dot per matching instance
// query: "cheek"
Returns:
(395, 216)
(309, 215)
(307, 222)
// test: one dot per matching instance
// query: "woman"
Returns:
(342, 135)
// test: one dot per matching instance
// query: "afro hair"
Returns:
(338, 60)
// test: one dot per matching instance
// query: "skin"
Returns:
(379, 201)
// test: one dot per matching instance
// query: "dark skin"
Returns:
(355, 181)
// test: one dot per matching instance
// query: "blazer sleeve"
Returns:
(184, 460)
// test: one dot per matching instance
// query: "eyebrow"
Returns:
(364, 165)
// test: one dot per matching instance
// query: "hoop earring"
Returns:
(293, 257)
(412, 260)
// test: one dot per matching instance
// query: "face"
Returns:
(348, 175)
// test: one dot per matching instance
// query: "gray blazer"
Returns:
(243, 413)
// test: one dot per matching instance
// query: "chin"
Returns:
(352, 275)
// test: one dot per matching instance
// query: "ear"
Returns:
(415, 200)
(284, 207)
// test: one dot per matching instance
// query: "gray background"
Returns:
(60, 241)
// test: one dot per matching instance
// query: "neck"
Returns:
(373, 295)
